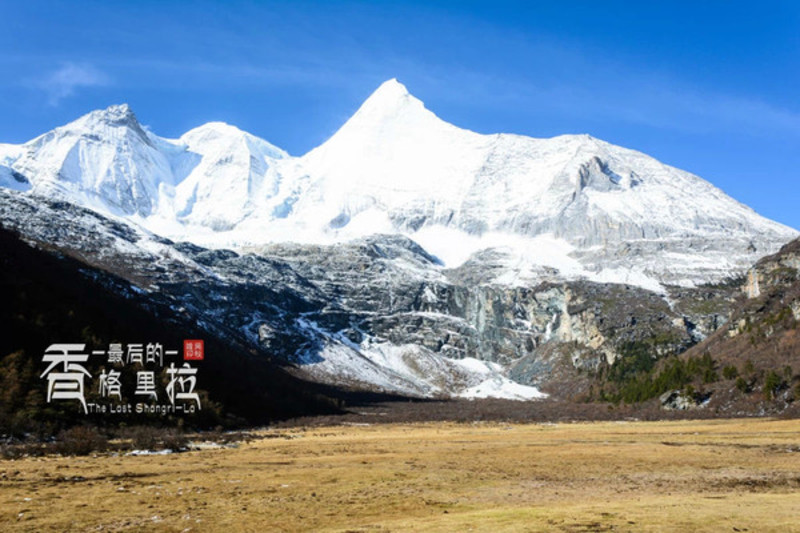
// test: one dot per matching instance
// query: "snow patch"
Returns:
(500, 387)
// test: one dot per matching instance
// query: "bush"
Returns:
(710, 376)
(638, 379)
(742, 384)
(151, 438)
(730, 372)
(635, 359)
(25, 449)
(144, 437)
(772, 384)
(81, 440)
(174, 440)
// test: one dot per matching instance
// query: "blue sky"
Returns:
(710, 87)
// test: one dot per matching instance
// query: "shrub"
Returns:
(639, 379)
(152, 438)
(81, 440)
(29, 449)
(772, 384)
(710, 376)
(742, 384)
(635, 358)
(730, 372)
(174, 439)
(144, 437)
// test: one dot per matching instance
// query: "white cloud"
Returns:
(70, 77)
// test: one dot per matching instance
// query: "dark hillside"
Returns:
(48, 298)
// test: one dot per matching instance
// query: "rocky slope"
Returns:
(748, 366)
(259, 301)
(378, 312)
(760, 345)
(50, 298)
(764, 322)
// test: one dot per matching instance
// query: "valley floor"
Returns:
(698, 475)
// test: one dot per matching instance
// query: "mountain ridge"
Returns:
(574, 203)
(404, 255)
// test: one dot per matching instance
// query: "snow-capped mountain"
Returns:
(396, 157)
(103, 160)
(221, 173)
(107, 161)
(587, 208)
(404, 254)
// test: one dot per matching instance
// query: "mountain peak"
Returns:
(394, 166)
(391, 89)
(118, 110)
(110, 118)
(390, 114)
(222, 135)
(389, 100)
(115, 115)
(214, 130)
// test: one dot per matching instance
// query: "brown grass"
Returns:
(719, 475)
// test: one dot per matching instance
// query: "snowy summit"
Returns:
(573, 203)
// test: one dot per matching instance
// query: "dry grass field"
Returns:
(711, 475)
